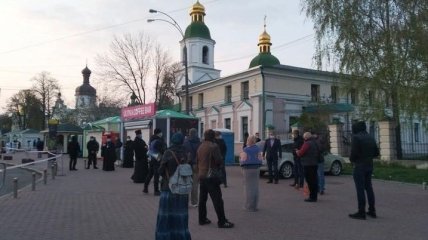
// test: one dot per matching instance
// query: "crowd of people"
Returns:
(154, 160)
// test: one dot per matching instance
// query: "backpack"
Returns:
(153, 153)
(181, 181)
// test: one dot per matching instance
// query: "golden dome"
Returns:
(197, 8)
(264, 38)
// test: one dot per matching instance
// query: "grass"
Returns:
(395, 172)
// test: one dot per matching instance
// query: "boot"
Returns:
(358, 215)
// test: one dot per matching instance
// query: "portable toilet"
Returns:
(229, 139)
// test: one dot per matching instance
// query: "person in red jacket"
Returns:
(308, 154)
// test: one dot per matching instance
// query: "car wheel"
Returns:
(262, 173)
(286, 170)
(336, 168)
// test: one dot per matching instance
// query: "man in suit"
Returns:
(272, 152)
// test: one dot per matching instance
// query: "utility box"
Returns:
(229, 138)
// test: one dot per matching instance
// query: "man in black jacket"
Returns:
(363, 150)
(157, 147)
(298, 168)
(93, 147)
(272, 151)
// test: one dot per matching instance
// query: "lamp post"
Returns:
(176, 26)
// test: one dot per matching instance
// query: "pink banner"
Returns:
(138, 112)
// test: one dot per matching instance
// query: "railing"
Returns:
(51, 161)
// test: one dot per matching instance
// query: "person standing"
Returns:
(173, 214)
(192, 144)
(156, 149)
(363, 150)
(128, 161)
(208, 155)
(223, 149)
(73, 150)
(322, 149)
(108, 152)
(309, 157)
(118, 145)
(250, 161)
(272, 152)
(141, 164)
(93, 147)
(298, 168)
(39, 146)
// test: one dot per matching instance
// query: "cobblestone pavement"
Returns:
(93, 204)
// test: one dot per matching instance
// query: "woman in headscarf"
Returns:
(251, 160)
(173, 216)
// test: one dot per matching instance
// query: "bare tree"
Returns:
(46, 88)
(127, 63)
(167, 88)
(161, 65)
(108, 105)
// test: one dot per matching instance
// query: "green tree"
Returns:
(5, 123)
(380, 47)
(26, 110)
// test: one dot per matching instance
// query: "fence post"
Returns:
(15, 187)
(45, 176)
(387, 141)
(53, 171)
(33, 182)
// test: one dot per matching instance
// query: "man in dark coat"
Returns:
(128, 161)
(108, 152)
(309, 155)
(73, 150)
(363, 150)
(272, 152)
(223, 149)
(156, 149)
(209, 156)
(298, 168)
(191, 145)
(93, 147)
(141, 163)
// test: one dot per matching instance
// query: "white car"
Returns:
(333, 163)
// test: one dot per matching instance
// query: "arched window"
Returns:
(205, 55)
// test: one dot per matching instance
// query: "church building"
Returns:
(86, 99)
(266, 94)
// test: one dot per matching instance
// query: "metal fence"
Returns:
(414, 142)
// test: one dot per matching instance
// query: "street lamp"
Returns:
(176, 26)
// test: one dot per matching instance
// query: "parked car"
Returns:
(333, 163)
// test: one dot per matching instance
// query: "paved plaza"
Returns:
(93, 204)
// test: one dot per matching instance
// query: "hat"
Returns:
(157, 131)
(177, 138)
(138, 132)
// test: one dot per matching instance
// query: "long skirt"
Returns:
(173, 217)
(251, 188)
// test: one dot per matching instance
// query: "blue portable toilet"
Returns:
(229, 138)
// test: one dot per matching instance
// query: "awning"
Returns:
(329, 108)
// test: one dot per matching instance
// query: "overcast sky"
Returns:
(60, 36)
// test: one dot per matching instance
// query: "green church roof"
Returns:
(197, 29)
(264, 59)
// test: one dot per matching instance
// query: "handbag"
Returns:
(214, 173)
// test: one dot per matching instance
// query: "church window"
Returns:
(205, 55)
(245, 90)
(315, 92)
